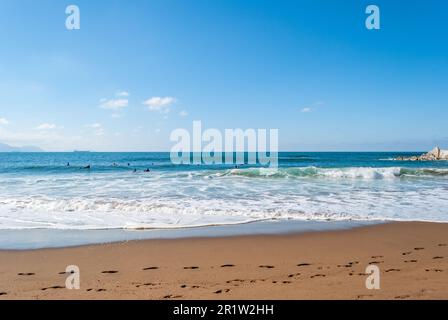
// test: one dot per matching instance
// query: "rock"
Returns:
(433, 155)
(434, 152)
(443, 155)
(428, 157)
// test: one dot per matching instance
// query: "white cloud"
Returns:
(94, 125)
(122, 93)
(157, 131)
(312, 107)
(4, 121)
(183, 113)
(161, 104)
(114, 104)
(46, 126)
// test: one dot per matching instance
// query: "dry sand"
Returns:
(412, 257)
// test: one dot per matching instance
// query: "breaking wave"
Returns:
(342, 173)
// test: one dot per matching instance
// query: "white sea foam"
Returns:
(198, 198)
(368, 173)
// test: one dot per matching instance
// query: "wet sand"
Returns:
(412, 258)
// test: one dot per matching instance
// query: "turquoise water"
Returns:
(39, 190)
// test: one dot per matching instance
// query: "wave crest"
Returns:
(335, 173)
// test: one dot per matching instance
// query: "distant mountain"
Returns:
(7, 148)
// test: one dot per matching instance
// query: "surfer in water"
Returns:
(87, 167)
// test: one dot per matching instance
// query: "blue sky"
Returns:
(138, 69)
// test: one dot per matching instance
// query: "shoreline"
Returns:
(34, 239)
(412, 257)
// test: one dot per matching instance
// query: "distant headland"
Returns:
(7, 148)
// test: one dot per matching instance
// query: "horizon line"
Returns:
(280, 151)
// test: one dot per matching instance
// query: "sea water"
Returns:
(39, 190)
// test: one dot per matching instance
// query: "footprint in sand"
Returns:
(303, 264)
(406, 253)
(109, 271)
(286, 282)
(227, 266)
(170, 296)
(191, 268)
(53, 287)
(419, 248)
(26, 274)
(348, 265)
(221, 291)
(392, 270)
(376, 257)
(437, 257)
(345, 265)
(317, 275)
(293, 275)
(402, 297)
(435, 270)
(145, 284)
(183, 286)
(407, 261)
(63, 272)
(442, 244)
(364, 296)
(3, 293)
(266, 266)
(235, 280)
(150, 268)
(100, 290)
(375, 262)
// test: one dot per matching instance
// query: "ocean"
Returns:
(39, 190)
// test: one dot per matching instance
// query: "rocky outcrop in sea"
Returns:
(433, 155)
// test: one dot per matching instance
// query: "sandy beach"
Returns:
(412, 257)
